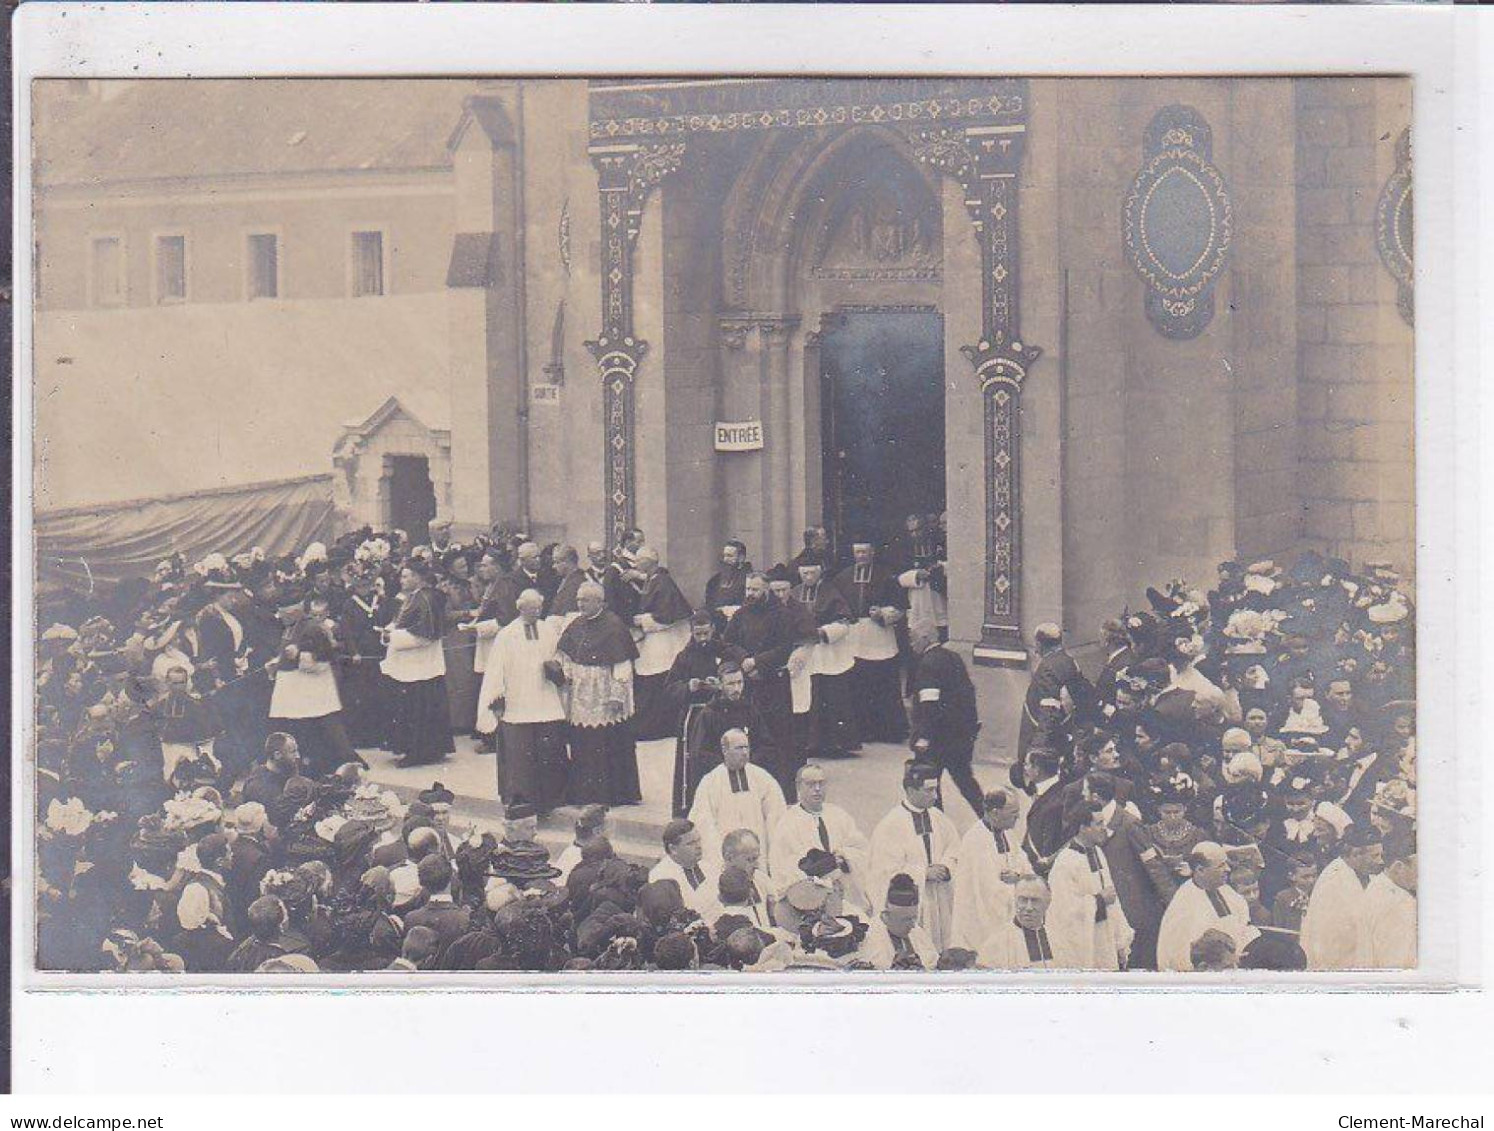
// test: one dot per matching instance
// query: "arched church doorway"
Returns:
(782, 204)
(861, 229)
(882, 421)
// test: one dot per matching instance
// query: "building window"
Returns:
(264, 266)
(171, 269)
(368, 263)
(107, 271)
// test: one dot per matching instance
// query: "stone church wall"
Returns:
(1178, 453)
(1355, 359)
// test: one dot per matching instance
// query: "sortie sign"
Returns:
(739, 436)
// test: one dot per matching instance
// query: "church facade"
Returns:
(1118, 331)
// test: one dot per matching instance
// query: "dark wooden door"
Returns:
(882, 422)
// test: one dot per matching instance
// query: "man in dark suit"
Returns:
(1143, 882)
(1045, 825)
(1045, 713)
(945, 721)
(1119, 655)
(441, 913)
(530, 572)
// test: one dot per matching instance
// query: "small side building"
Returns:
(393, 468)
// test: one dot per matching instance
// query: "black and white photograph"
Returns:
(724, 525)
(572, 550)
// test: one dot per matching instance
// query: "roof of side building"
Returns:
(159, 129)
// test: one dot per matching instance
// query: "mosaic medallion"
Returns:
(1178, 223)
(1393, 227)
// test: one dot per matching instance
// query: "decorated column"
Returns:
(626, 175)
(985, 160)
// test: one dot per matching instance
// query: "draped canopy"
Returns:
(91, 549)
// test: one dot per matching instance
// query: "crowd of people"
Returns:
(1236, 787)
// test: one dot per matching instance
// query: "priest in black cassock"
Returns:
(568, 576)
(832, 715)
(236, 654)
(596, 653)
(420, 732)
(878, 613)
(621, 597)
(663, 623)
(497, 604)
(362, 616)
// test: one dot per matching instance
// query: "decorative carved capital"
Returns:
(946, 150)
(735, 331)
(618, 360)
(627, 174)
(772, 329)
(776, 330)
(652, 163)
(1001, 364)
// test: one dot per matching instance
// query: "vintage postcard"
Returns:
(864, 526)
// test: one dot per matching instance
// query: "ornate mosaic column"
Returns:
(985, 160)
(626, 175)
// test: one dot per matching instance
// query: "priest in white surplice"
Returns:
(990, 865)
(520, 696)
(815, 823)
(1086, 913)
(1334, 924)
(737, 795)
(742, 852)
(684, 863)
(1022, 940)
(896, 939)
(1390, 910)
(1205, 903)
(920, 840)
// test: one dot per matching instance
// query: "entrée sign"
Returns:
(739, 436)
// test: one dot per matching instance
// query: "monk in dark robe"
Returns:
(596, 654)
(730, 709)
(727, 589)
(768, 631)
(693, 682)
